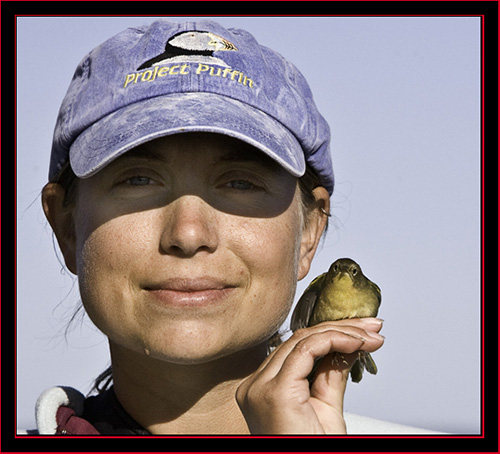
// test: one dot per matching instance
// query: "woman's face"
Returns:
(189, 247)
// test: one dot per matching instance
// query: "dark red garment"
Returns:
(70, 424)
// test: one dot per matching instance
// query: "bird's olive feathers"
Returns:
(342, 292)
(302, 313)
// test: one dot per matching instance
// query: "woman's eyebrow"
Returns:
(248, 156)
(143, 153)
(232, 156)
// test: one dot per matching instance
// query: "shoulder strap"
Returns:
(70, 424)
(58, 410)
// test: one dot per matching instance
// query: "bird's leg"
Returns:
(338, 358)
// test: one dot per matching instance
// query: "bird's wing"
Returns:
(377, 289)
(306, 303)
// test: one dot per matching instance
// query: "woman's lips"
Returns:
(190, 292)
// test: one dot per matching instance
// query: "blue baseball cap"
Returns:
(168, 78)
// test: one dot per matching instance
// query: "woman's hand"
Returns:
(278, 399)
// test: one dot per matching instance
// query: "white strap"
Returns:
(48, 403)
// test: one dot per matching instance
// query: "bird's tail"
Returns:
(365, 361)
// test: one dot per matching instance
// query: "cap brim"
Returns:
(125, 129)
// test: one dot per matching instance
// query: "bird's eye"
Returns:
(354, 271)
(335, 267)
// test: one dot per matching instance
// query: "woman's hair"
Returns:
(69, 181)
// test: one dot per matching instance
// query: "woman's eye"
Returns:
(241, 185)
(139, 181)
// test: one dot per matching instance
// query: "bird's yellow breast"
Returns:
(340, 299)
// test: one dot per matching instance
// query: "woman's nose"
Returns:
(189, 227)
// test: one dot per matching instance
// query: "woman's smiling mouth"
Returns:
(189, 292)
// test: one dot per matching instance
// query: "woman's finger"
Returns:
(365, 329)
(301, 358)
(331, 376)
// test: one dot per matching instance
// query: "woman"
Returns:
(189, 187)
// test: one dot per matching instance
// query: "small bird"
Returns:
(342, 292)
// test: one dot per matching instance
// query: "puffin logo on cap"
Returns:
(189, 52)
(193, 46)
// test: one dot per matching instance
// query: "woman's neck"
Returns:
(168, 398)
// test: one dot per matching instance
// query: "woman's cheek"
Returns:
(271, 254)
(105, 260)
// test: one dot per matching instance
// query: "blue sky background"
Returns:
(402, 96)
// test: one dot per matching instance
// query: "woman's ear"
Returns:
(61, 219)
(313, 229)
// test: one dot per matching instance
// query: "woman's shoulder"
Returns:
(58, 411)
(62, 410)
